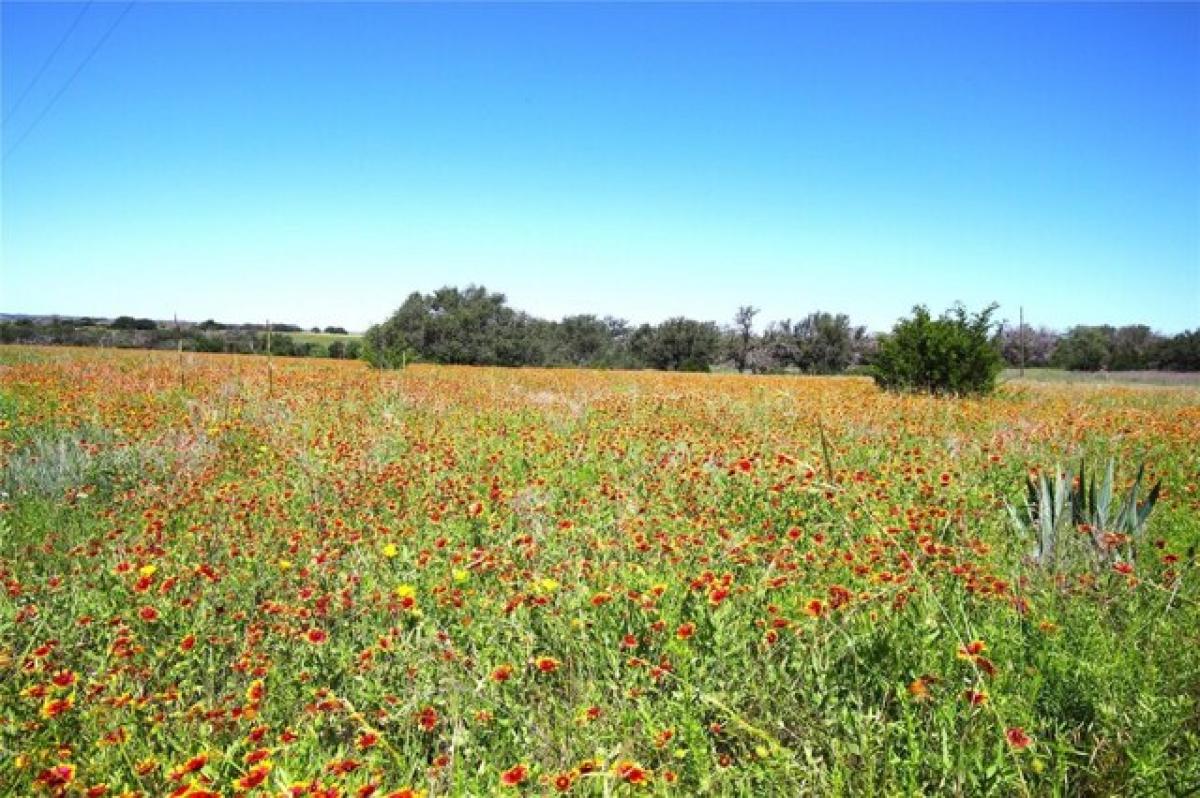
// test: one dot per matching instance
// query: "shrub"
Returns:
(954, 354)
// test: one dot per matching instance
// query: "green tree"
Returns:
(1133, 347)
(469, 326)
(1179, 353)
(1084, 348)
(743, 335)
(955, 354)
(401, 336)
(678, 344)
(825, 343)
(585, 340)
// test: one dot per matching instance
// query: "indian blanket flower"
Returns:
(514, 775)
(631, 772)
(546, 664)
(1017, 738)
(58, 777)
(255, 777)
(427, 719)
(53, 707)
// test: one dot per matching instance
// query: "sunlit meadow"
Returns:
(332, 581)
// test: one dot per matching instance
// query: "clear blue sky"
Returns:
(315, 163)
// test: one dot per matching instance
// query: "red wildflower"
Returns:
(56, 706)
(1017, 738)
(255, 692)
(632, 772)
(255, 777)
(64, 678)
(256, 756)
(57, 777)
(514, 775)
(972, 649)
(190, 766)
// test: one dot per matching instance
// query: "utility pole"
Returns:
(270, 375)
(1022, 340)
(179, 343)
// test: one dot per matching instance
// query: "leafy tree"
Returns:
(954, 354)
(207, 343)
(281, 345)
(678, 344)
(471, 326)
(825, 343)
(1133, 347)
(401, 336)
(584, 339)
(743, 327)
(1084, 348)
(775, 350)
(130, 323)
(1179, 353)
(335, 330)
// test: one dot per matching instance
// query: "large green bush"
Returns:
(954, 354)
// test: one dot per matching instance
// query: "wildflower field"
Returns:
(334, 581)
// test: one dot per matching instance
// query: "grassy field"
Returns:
(322, 339)
(1105, 377)
(466, 581)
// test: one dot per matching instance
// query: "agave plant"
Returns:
(1064, 509)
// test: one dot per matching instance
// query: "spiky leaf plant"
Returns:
(1065, 508)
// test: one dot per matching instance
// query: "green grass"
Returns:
(1173, 378)
(322, 339)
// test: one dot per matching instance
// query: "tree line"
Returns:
(1134, 347)
(478, 327)
(475, 326)
(127, 332)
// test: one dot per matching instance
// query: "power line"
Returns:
(54, 100)
(42, 69)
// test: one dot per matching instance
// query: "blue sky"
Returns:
(315, 163)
